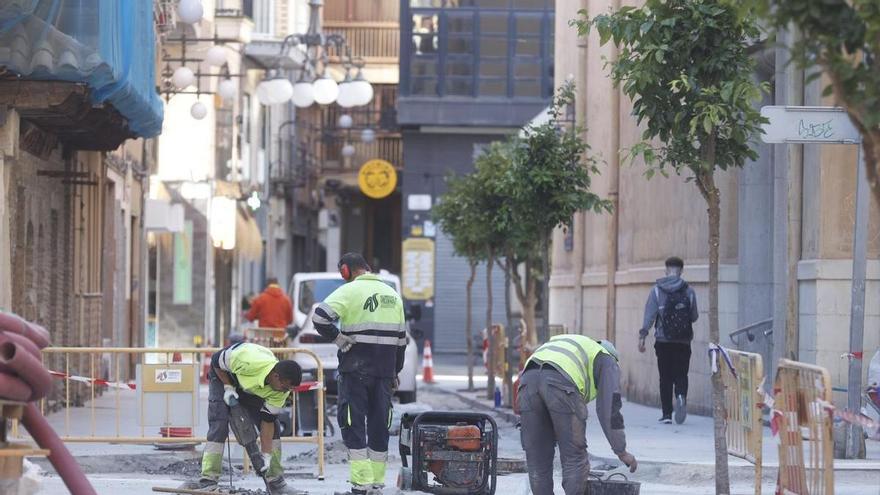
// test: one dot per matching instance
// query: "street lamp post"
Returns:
(315, 83)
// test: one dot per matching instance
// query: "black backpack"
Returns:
(675, 315)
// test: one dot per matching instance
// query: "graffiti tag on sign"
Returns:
(815, 130)
(808, 125)
(169, 376)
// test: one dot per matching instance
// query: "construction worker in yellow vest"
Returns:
(558, 381)
(372, 342)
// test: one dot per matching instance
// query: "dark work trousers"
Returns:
(553, 412)
(218, 411)
(364, 412)
(218, 424)
(673, 363)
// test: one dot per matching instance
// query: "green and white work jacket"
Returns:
(370, 311)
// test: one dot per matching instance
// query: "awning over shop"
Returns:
(108, 45)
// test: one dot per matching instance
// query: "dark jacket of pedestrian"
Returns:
(672, 310)
(656, 303)
(272, 308)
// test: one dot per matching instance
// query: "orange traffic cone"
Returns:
(428, 363)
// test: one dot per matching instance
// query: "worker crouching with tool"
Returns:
(372, 340)
(558, 381)
(248, 387)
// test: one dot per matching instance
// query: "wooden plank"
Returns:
(183, 491)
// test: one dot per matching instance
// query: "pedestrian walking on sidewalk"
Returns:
(272, 308)
(372, 342)
(672, 310)
(252, 375)
(558, 381)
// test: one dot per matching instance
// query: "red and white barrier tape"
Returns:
(303, 387)
(92, 381)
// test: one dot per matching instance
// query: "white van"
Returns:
(306, 290)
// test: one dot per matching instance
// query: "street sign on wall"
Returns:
(418, 269)
(808, 125)
(377, 178)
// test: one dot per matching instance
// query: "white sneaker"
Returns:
(680, 409)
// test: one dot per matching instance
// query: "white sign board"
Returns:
(418, 202)
(168, 376)
(808, 125)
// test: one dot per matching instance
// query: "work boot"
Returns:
(353, 491)
(680, 409)
(278, 486)
(203, 484)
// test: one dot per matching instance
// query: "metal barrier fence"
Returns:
(111, 429)
(802, 400)
(744, 425)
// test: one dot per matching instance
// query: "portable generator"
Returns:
(452, 453)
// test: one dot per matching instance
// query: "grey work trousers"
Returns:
(553, 412)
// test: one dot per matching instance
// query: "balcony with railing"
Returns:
(377, 42)
(318, 140)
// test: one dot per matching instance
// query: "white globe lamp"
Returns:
(348, 151)
(346, 98)
(183, 77)
(344, 121)
(190, 11)
(280, 91)
(263, 92)
(303, 94)
(198, 110)
(326, 90)
(363, 90)
(226, 89)
(368, 135)
(216, 56)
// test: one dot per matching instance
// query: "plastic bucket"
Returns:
(612, 487)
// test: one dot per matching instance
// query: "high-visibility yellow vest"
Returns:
(251, 364)
(572, 355)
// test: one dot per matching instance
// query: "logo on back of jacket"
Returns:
(375, 301)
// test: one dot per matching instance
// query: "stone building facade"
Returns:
(786, 233)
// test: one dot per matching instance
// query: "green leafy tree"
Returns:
(548, 181)
(842, 37)
(458, 216)
(492, 203)
(686, 67)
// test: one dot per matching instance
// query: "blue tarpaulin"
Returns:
(109, 45)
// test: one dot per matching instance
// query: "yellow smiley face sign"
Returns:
(377, 179)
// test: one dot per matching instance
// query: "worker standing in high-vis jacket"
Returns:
(558, 381)
(371, 337)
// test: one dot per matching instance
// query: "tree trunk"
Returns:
(719, 413)
(531, 302)
(490, 385)
(544, 335)
(468, 326)
(508, 349)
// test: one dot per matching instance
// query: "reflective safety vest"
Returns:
(370, 312)
(572, 355)
(251, 364)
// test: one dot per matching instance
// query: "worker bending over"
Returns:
(252, 375)
(558, 381)
(372, 340)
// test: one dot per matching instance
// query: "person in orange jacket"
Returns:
(272, 308)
